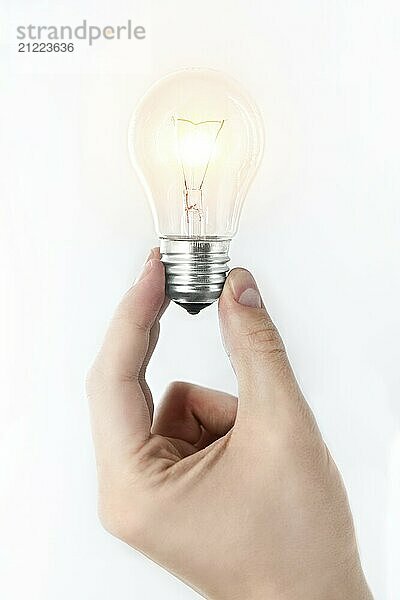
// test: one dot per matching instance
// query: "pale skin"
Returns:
(238, 497)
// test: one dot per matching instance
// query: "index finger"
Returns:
(119, 412)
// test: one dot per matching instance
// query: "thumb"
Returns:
(266, 384)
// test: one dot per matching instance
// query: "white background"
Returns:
(320, 230)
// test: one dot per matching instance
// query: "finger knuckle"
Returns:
(264, 338)
(175, 387)
(98, 380)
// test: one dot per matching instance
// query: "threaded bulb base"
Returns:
(195, 270)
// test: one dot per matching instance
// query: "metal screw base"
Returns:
(195, 270)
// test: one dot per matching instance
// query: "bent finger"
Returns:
(195, 414)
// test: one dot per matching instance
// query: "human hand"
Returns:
(239, 498)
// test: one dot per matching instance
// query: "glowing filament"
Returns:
(196, 144)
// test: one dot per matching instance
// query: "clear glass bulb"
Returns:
(196, 140)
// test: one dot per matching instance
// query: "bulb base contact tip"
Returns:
(193, 308)
(195, 270)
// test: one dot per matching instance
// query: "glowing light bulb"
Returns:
(196, 140)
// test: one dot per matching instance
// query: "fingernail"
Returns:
(250, 298)
(145, 271)
(245, 289)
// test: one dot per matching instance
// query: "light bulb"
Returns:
(196, 140)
